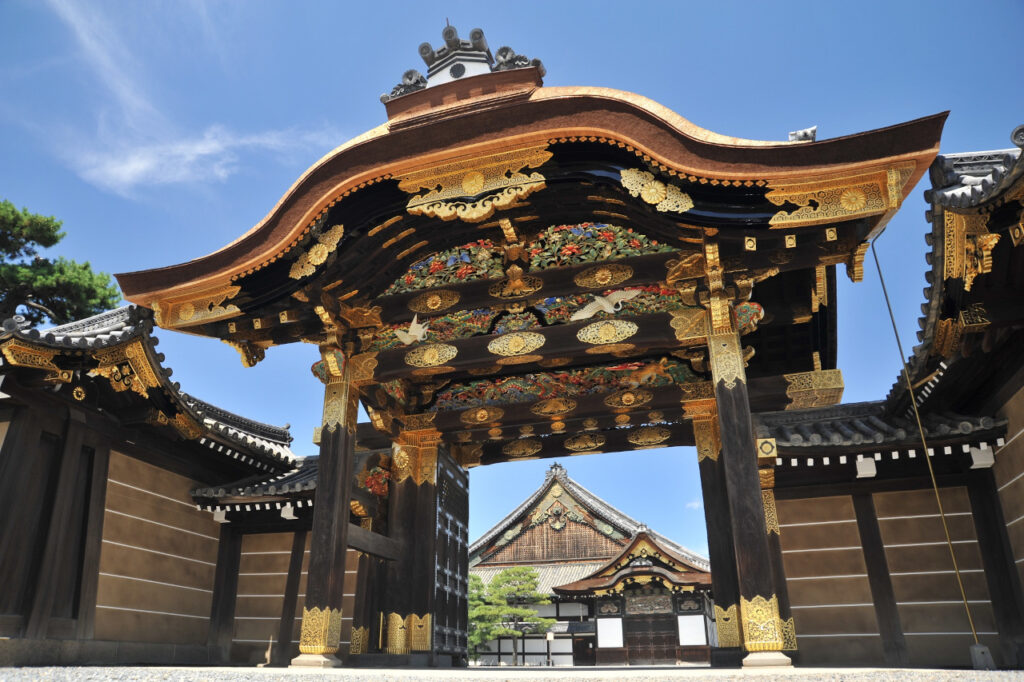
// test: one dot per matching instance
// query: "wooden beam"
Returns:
(374, 543)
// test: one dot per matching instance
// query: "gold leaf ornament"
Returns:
(434, 301)
(661, 195)
(431, 355)
(482, 415)
(649, 435)
(523, 447)
(585, 442)
(603, 276)
(607, 331)
(516, 343)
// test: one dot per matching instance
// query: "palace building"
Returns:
(503, 271)
(620, 593)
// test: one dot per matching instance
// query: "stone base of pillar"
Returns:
(315, 661)
(767, 659)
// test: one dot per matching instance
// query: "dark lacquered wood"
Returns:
(882, 594)
(283, 647)
(739, 458)
(58, 551)
(373, 543)
(225, 591)
(93, 542)
(1001, 573)
(724, 581)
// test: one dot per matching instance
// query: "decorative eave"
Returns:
(118, 347)
(969, 201)
(635, 566)
(201, 290)
(598, 507)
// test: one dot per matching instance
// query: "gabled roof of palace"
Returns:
(263, 446)
(598, 507)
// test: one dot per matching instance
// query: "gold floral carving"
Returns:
(317, 253)
(973, 318)
(687, 266)
(697, 390)
(362, 367)
(726, 359)
(628, 398)
(728, 626)
(482, 415)
(417, 422)
(520, 360)
(690, 326)
(824, 201)
(707, 437)
(27, 355)
(603, 276)
(649, 435)
(590, 424)
(434, 301)
(358, 641)
(607, 331)
(515, 285)
(762, 628)
(814, 389)
(360, 317)
(585, 442)
(663, 196)
(419, 632)
(454, 187)
(251, 353)
(523, 447)
(78, 393)
(516, 343)
(468, 455)
(431, 355)
(126, 367)
(397, 635)
(788, 635)
(968, 247)
(771, 517)
(321, 631)
(553, 407)
(196, 309)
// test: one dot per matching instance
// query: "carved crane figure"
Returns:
(417, 332)
(612, 303)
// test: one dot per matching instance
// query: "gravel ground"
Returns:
(490, 674)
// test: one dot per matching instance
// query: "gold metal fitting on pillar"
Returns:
(321, 631)
(762, 627)
(397, 634)
(727, 626)
(341, 396)
(414, 455)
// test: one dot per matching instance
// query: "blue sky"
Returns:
(161, 131)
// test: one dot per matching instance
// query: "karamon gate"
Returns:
(504, 271)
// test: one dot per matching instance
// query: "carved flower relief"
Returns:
(482, 415)
(585, 442)
(431, 355)
(629, 398)
(516, 343)
(649, 435)
(607, 331)
(523, 447)
(853, 199)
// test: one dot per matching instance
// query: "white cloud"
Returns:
(695, 504)
(134, 144)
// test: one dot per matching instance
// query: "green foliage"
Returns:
(69, 289)
(504, 608)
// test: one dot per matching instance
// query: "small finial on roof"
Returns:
(1017, 136)
(805, 135)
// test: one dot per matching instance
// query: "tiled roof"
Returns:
(862, 423)
(550, 575)
(302, 478)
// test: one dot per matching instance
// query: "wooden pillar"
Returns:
(58, 552)
(93, 543)
(1001, 576)
(225, 591)
(766, 457)
(894, 645)
(412, 521)
(761, 627)
(724, 582)
(325, 582)
(283, 649)
(359, 640)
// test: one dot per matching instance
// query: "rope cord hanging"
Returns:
(924, 444)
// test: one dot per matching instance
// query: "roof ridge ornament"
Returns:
(458, 58)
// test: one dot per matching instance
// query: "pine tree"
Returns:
(510, 598)
(65, 288)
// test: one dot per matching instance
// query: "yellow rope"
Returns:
(924, 444)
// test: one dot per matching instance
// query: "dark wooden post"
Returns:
(724, 582)
(887, 614)
(1001, 576)
(57, 551)
(412, 522)
(321, 613)
(225, 591)
(766, 456)
(93, 544)
(758, 605)
(283, 650)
